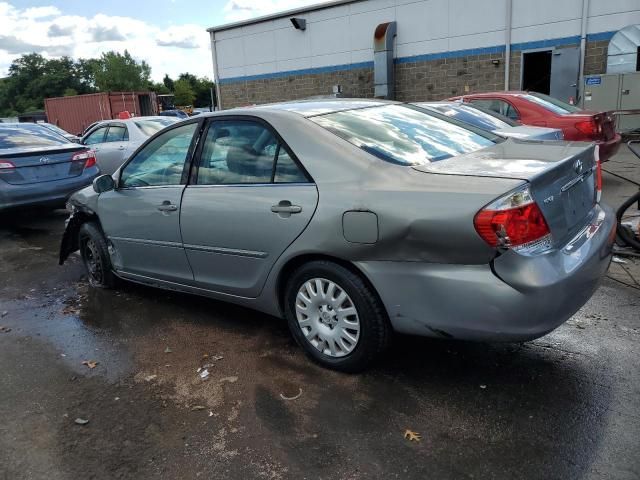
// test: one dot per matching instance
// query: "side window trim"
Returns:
(210, 123)
(188, 162)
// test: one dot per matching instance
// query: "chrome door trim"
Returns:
(141, 241)
(227, 251)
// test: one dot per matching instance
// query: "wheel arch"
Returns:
(70, 242)
(293, 263)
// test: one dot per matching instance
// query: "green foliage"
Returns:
(115, 72)
(184, 94)
(32, 78)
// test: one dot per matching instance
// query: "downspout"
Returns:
(216, 78)
(507, 45)
(583, 49)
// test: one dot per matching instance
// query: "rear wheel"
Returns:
(95, 256)
(335, 316)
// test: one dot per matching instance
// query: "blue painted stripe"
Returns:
(553, 42)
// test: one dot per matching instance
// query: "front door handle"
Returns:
(285, 209)
(167, 206)
(121, 147)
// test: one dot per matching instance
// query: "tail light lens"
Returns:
(598, 174)
(514, 221)
(88, 157)
(589, 128)
(6, 166)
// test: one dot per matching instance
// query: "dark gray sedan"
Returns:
(38, 167)
(354, 219)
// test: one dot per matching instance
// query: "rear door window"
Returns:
(117, 133)
(245, 152)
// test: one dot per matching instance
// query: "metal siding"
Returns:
(76, 113)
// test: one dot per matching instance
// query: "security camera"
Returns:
(299, 23)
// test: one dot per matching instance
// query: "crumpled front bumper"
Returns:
(516, 298)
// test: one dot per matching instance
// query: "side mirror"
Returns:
(103, 183)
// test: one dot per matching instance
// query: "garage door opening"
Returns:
(536, 71)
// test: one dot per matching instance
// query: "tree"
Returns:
(184, 94)
(201, 87)
(168, 82)
(121, 72)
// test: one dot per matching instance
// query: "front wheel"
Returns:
(335, 316)
(95, 256)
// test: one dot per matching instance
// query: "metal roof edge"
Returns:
(286, 13)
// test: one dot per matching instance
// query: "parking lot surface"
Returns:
(565, 406)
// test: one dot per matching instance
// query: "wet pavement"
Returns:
(565, 406)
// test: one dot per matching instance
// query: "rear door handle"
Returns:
(285, 209)
(121, 147)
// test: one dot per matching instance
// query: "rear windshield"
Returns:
(28, 135)
(471, 115)
(552, 104)
(403, 135)
(152, 126)
(55, 128)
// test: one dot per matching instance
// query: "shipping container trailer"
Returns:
(77, 112)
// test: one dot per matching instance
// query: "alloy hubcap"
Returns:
(327, 317)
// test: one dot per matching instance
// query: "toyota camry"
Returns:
(354, 219)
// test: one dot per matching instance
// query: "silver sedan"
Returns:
(114, 140)
(354, 219)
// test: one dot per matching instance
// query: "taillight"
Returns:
(589, 128)
(514, 221)
(6, 166)
(88, 157)
(598, 174)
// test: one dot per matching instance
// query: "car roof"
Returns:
(510, 93)
(309, 108)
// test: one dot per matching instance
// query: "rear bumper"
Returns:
(53, 193)
(609, 148)
(525, 298)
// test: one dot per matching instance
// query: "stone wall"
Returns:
(415, 81)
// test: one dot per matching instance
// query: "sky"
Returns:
(170, 35)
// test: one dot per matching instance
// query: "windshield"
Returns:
(552, 104)
(471, 115)
(28, 135)
(152, 126)
(402, 135)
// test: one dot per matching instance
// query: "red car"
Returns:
(531, 108)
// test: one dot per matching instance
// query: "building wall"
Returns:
(443, 47)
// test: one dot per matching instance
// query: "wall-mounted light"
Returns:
(495, 62)
(299, 23)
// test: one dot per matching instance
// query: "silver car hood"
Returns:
(530, 132)
(513, 158)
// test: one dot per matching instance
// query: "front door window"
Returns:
(162, 161)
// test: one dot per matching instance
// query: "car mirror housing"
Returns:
(103, 183)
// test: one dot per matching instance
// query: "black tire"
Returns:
(375, 330)
(95, 256)
(627, 236)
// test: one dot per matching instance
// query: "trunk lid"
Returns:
(561, 175)
(530, 133)
(41, 165)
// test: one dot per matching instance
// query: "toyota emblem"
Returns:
(44, 160)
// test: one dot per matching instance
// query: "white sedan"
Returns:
(115, 140)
